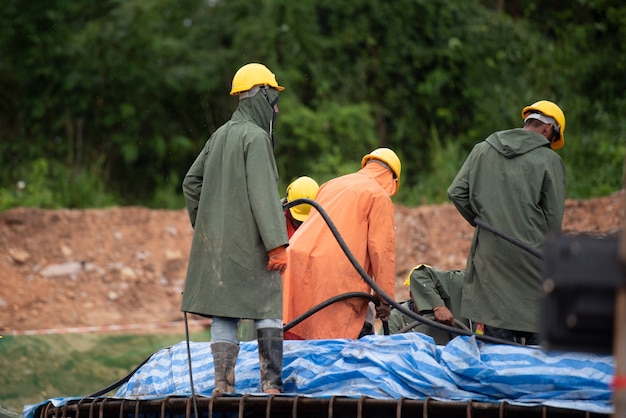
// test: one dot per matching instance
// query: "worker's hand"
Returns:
(278, 259)
(383, 310)
(443, 315)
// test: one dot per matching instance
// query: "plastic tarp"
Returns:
(406, 365)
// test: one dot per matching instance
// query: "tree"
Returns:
(111, 101)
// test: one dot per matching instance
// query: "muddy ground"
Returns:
(126, 265)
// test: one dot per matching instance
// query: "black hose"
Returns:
(328, 302)
(126, 378)
(509, 238)
(386, 328)
(417, 317)
(193, 393)
(381, 292)
(123, 379)
(413, 324)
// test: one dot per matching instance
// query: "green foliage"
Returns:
(432, 186)
(585, 43)
(115, 98)
(51, 185)
(168, 194)
(37, 368)
(334, 139)
(595, 157)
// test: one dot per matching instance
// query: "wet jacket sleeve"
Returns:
(381, 244)
(428, 293)
(553, 192)
(192, 185)
(262, 183)
(459, 192)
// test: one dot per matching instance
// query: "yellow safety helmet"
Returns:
(548, 108)
(407, 281)
(301, 188)
(388, 157)
(251, 75)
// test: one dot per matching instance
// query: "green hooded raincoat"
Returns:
(231, 192)
(516, 183)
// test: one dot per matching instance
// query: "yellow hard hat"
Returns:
(407, 281)
(388, 157)
(251, 75)
(301, 188)
(548, 108)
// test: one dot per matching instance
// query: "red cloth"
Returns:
(292, 224)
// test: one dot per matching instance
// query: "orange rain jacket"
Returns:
(360, 207)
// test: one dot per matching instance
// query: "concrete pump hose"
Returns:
(460, 330)
(509, 238)
(413, 324)
(328, 302)
(378, 290)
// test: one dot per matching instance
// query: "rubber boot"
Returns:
(271, 359)
(224, 359)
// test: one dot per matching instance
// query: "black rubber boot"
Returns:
(271, 359)
(224, 359)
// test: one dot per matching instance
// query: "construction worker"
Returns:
(514, 182)
(239, 243)
(397, 320)
(301, 188)
(361, 209)
(435, 295)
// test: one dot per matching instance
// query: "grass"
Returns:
(34, 369)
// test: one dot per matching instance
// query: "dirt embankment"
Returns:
(120, 266)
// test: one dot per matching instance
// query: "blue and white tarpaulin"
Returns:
(406, 365)
(390, 367)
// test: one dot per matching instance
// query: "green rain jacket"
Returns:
(231, 192)
(515, 182)
(430, 288)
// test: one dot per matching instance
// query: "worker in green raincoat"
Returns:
(434, 294)
(515, 182)
(238, 251)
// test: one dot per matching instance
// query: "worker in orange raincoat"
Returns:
(360, 207)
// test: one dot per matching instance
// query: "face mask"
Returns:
(272, 96)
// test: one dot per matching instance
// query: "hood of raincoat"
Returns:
(257, 109)
(382, 175)
(514, 142)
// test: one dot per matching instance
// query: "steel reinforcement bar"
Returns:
(280, 406)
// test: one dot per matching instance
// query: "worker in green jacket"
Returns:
(238, 250)
(515, 182)
(434, 294)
